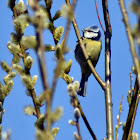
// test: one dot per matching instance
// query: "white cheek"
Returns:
(90, 34)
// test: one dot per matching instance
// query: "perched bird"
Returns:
(92, 43)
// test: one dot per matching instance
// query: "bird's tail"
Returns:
(83, 86)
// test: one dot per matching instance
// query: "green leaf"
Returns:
(29, 110)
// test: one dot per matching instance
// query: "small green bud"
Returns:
(34, 80)
(5, 67)
(14, 39)
(66, 77)
(29, 110)
(40, 120)
(16, 59)
(54, 131)
(28, 82)
(40, 135)
(9, 77)
(19, 69)
(58, 33)
(49, 48)
(134, 136)
(20, 24)
(134, 70)
(58, 52)
(20, 7)
(14, 49)
(57, 15)
(28, 61)
(72, 122)
(48, 4)
(8, 87)
(41, 99)
(68, 67)
(77, 113)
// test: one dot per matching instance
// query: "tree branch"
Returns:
(108, 96)
(132, 113)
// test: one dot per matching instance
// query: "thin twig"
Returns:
(99, 16)
(77, 120)
(130, 39)
(132, 112)
(135, 96)
(85, 120)
(118, 116)
(108, 95)
(131, 79)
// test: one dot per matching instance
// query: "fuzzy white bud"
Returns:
(71, 90)
(77, 113)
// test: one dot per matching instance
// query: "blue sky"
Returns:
(93, 104)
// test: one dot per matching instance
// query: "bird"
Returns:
(92, 40)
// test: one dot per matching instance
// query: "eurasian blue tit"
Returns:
(92, 43)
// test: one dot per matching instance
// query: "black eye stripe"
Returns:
(92, 31)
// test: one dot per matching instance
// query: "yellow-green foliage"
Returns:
(58, 14)
(58, 33)
(29, 110)
(28, 61)
(5, 67)
(29, 42)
